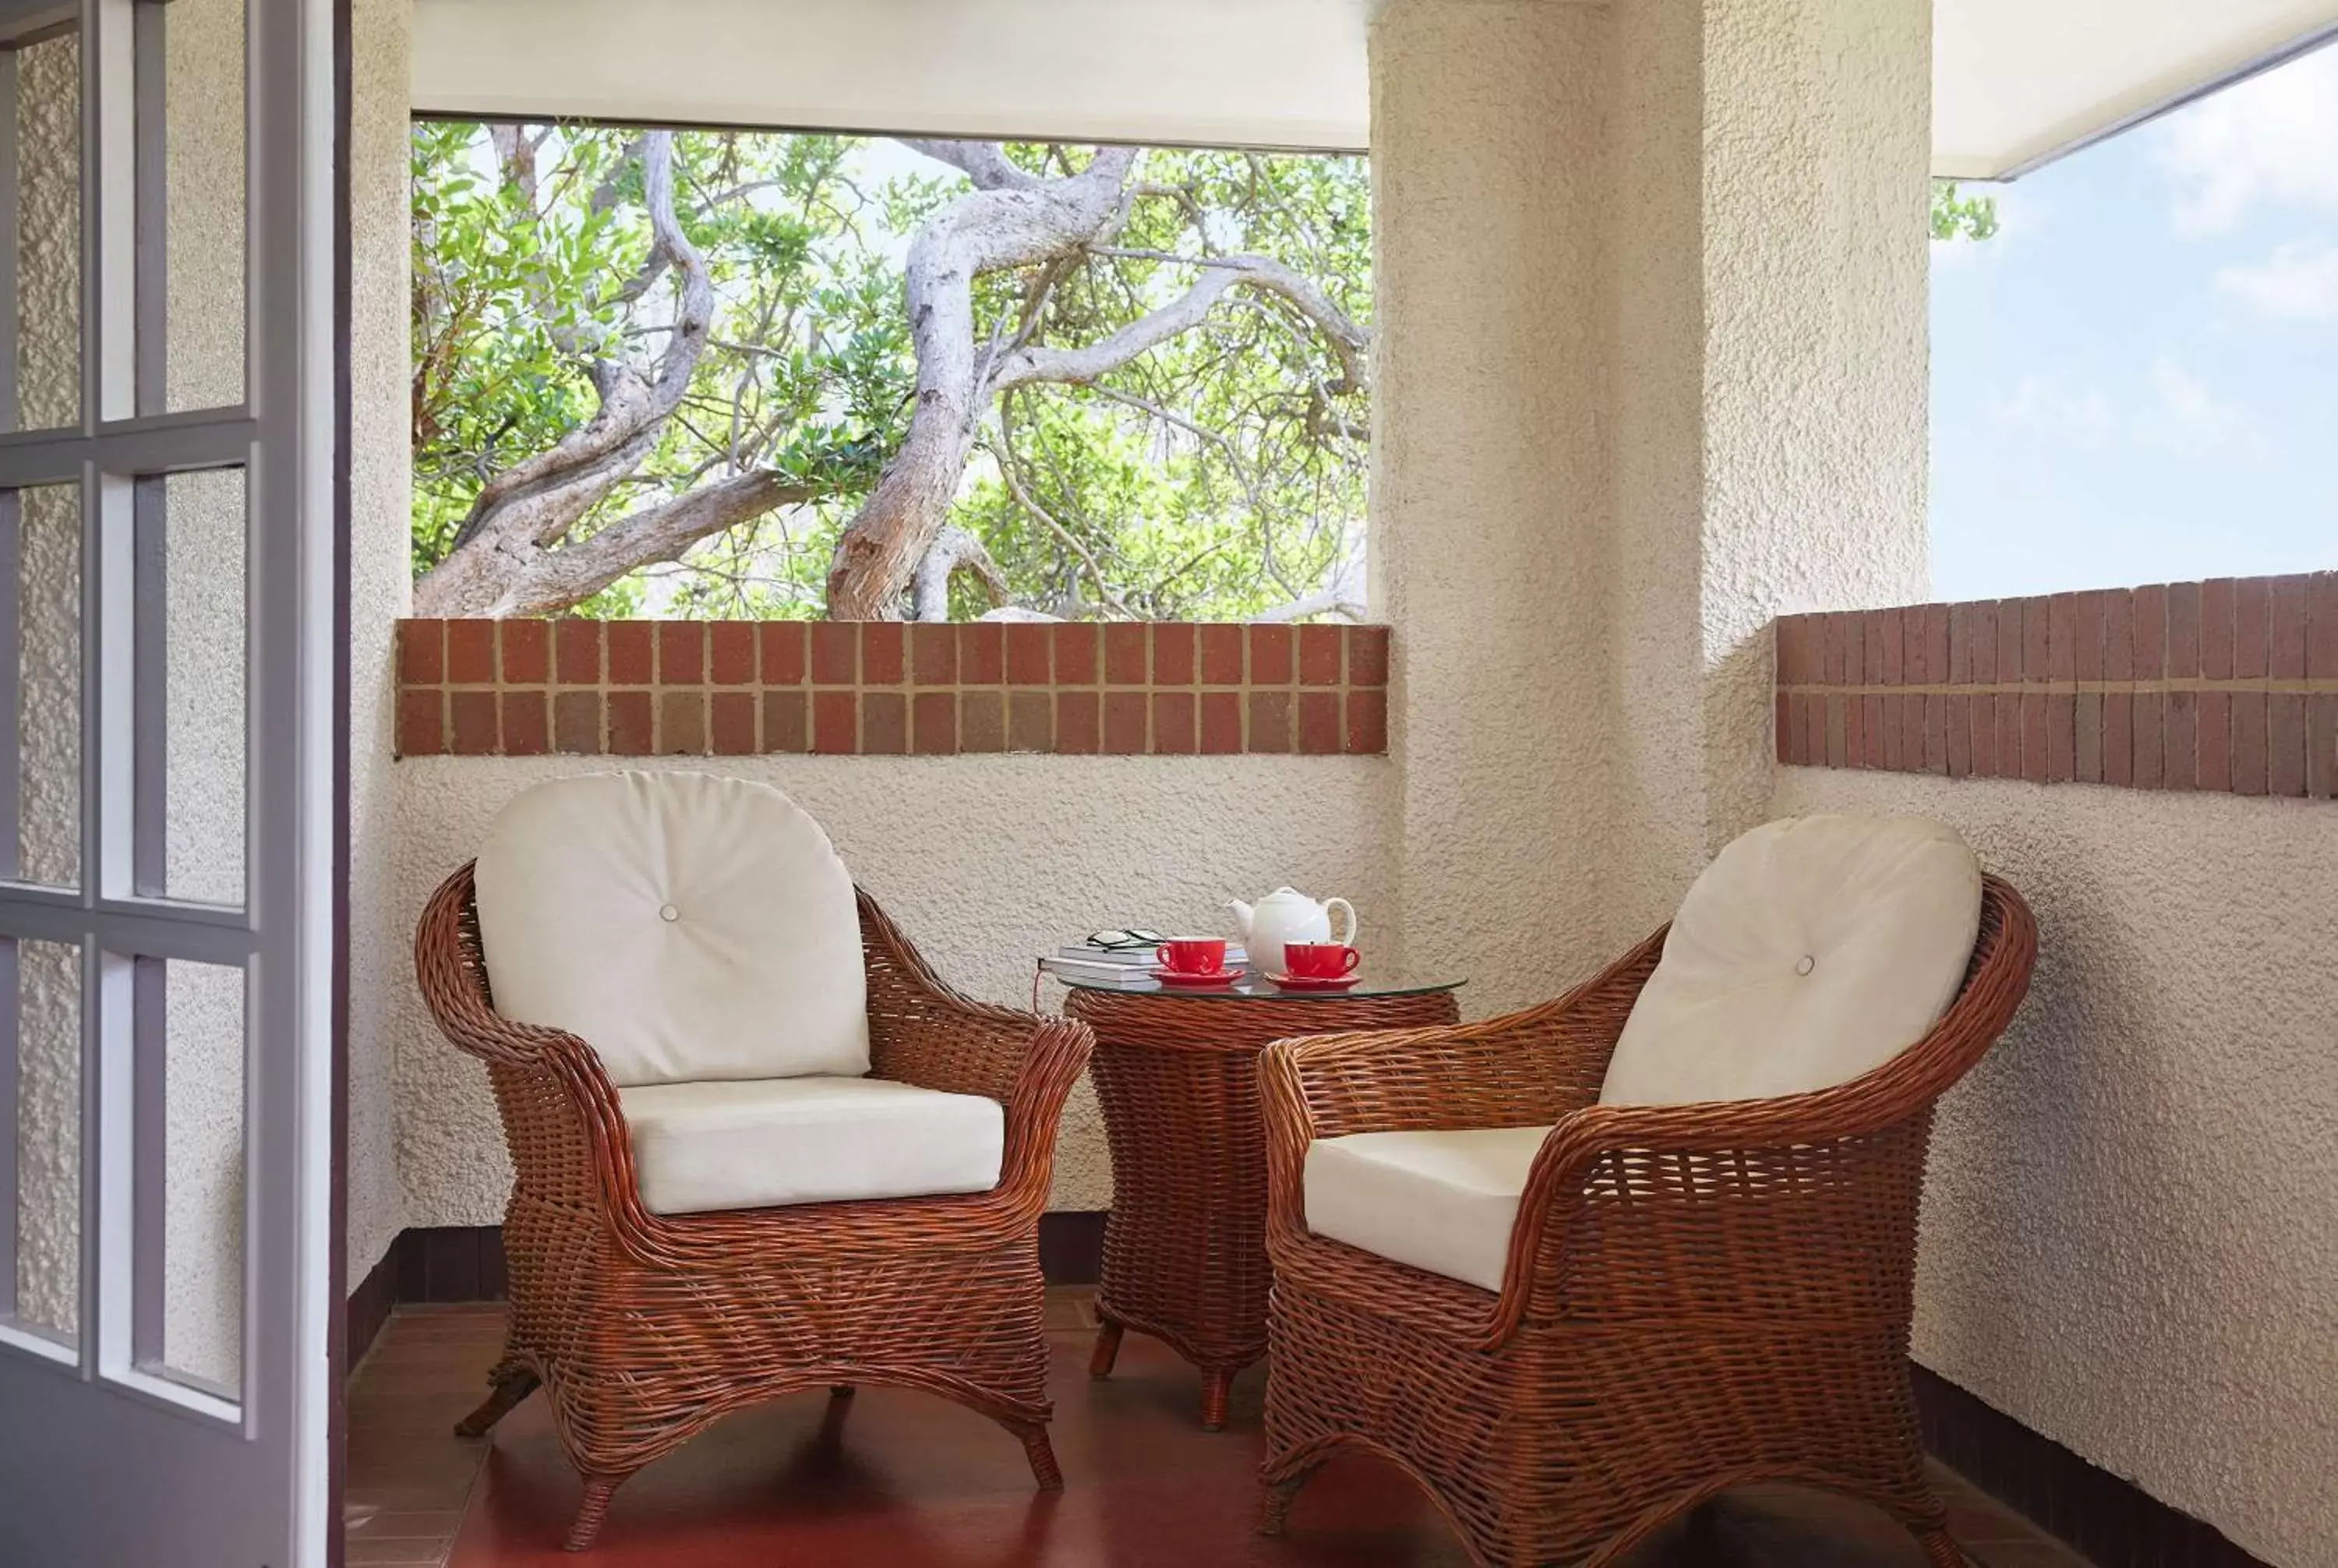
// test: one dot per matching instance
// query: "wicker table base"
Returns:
(1184, 1247)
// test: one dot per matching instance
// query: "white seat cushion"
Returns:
(1810, 952)
(816, 1140)
(1443, 1202)
(685, 926)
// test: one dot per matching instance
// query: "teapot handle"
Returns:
(1332, 904)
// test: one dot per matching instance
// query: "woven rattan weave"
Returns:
(1184, 1247)
(1697, 1297)
(641, 1329)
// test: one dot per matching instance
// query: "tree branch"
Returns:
(534, 504)
(984, 163)
(1348, 342)
(1041, 515)
(540, 581)
(1335, 600)
(954, 550)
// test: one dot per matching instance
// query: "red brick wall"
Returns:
(2230, 685)
(733, 688)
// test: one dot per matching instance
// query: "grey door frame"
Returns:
(223, 1480)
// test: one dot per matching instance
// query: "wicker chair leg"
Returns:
(586, 1528)
(511, 1385)
(1939, 1550)
(1276, 1496)
(1107, 1350)
(840, 1390)
(1216, 1385)
(1040, 1452)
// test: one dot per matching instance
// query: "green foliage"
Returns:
(1220, 473)
(1959, 217)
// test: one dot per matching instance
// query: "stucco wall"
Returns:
(985, 861)
(2131, 1226)
(380, 932)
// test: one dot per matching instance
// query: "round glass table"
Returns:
(1176, 1073)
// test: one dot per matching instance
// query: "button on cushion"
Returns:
(1809, 952)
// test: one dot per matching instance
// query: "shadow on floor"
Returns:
(907, 1481)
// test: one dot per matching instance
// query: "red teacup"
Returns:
(1193, 954)
(1320, 960)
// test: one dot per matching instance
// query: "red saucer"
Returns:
(1223, 978)
(1315, 982)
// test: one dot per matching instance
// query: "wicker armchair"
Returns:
(641, 1329)
(1696, 1296)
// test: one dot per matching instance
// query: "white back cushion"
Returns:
(687, 927)
(1810, 952)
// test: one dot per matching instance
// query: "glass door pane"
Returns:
(40, 663)
(190, 1026)
(201, 132)
(40, 211)
(40, 1133)
(191, 529)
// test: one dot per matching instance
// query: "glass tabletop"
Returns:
(1252, 985)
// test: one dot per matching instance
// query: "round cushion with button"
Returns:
(581, 885)
(1810, 952)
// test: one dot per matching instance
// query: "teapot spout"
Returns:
(1242, 916)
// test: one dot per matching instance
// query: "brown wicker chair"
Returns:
(1696, 1297)
(641, 1329)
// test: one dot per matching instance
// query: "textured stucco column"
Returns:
(380, 942)
(1490, 514)
(1652, 368)
(1770, 277)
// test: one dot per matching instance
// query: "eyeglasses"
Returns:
(1121, 941)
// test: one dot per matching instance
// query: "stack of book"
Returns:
(1131, 967)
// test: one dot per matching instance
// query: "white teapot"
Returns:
(1284, 916)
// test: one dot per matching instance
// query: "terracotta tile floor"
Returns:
(902, 1480)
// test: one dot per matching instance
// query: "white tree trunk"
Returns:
(954, 550)
(1010, 219)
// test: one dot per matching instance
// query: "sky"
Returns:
(2137, 379)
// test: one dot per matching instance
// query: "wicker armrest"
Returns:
(1520, 1070)
(543, 1067)
(922, 1031)
(1785, 1197)
(1796, 1194)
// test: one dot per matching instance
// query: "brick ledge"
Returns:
(741, 688)
(2229, 686)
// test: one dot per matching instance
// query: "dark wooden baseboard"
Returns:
(443, 1263)
(1071, 1247)
(2108, 1520)
(369, 1308)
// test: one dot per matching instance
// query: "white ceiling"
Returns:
(1256, 73)
(2015, 81)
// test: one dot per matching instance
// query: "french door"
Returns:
(167, 573)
